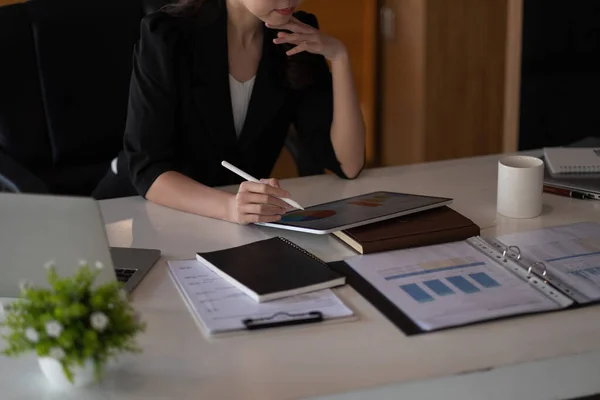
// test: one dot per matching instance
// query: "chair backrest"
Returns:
(23, 132)
(64, 80)
(84, 52)
(7, 186)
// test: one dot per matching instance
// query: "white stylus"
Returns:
(250, 178)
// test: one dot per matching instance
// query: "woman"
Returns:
(213, 81)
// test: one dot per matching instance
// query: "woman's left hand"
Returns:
(307, 38)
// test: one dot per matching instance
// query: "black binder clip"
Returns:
(283, 319)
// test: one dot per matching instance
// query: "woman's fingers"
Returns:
(272, 181)
(304, 46)
(260, 202)
(262, 198)
(294, 37)
(261, 209)
(256, 187)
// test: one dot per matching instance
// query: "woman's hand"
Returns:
(258, 202)
(307, 38)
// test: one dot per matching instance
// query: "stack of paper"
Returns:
(220, 307)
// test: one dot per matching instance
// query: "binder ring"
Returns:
(530, 269)
(516, 251)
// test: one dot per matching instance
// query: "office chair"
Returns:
(7, 186)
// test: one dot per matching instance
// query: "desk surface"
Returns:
(321, 360)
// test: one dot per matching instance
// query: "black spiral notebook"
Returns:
(271, 269)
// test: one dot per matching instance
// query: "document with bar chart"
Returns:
(449, 284)
(570, 254)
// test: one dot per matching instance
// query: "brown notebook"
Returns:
(436, 226)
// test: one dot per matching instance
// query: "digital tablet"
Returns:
(356, 211)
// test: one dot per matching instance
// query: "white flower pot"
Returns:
(55, 375)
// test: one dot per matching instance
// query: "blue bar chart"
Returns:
(484, 280)
(463, 285)
(432, 289)
(415, 291)
(438, 287)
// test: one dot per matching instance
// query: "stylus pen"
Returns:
(250, 178)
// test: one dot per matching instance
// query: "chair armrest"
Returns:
(18, 177)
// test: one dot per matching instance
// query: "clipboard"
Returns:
(246, 319)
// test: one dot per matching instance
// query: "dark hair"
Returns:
(297, 70)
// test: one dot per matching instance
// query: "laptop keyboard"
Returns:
(124, 274)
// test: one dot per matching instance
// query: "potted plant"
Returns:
(74, 326)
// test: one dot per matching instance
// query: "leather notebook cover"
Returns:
(436, 226)
(272, 268)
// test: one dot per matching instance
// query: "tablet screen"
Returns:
(360, 209)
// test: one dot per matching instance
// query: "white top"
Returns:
(240, 98)
(478, 361)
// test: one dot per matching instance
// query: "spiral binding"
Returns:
(578, 169)
(294, 245)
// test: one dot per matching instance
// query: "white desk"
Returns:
(328, 360)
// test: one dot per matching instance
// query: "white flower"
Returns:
(99, 321)
(53, 329)
(50, 264)
(99, 265)
(32, 335)
(24, 285)
(57, 353)
(82, 263)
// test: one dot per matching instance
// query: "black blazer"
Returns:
(180, 116)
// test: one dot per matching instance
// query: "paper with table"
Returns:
(220, 307)
(569, 254)
(482, 279)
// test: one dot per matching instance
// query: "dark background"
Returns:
(560, 81)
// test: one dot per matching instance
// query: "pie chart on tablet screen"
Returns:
(302, 216)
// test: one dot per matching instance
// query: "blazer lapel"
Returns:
(211, 82)
(267, 96)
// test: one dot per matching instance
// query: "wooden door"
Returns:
(444, 79)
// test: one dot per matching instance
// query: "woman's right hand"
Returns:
(258, 202)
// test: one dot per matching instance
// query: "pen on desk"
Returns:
(250, 178)
(566, 192)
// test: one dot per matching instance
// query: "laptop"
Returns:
(36, 229)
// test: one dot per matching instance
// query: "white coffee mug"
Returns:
(520, 186)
